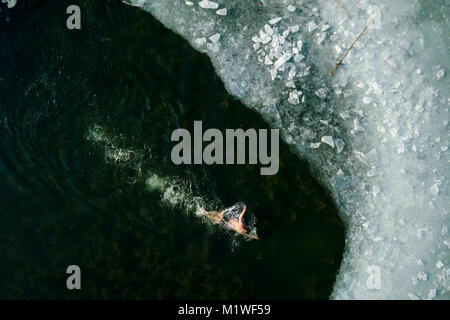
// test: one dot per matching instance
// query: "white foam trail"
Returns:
(375, 133)
(175, 192)
(10, 3)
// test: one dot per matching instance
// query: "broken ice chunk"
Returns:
(275, 20)
(372, 157)
(291, 74)
(214, 38)
(339, 145)
(291, 8)
(282, 60)
(315, 145)
(222, 12)
(273, 73)
(295, 28)
(298, 57)
(321, 37)
(439, 264)
(357, 127)
(321, 93)
(422, 276)
(200, 41)
(432, 293)
(264, 37)
(293, 98)
(299, 45)
(312, 26)
(328, 140)
(440, 74)
(268, 30)
(267, 60)
(214, 47)
(206, 4)
(256, 39)
(290, 84)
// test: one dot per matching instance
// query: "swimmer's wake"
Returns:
(174, 191)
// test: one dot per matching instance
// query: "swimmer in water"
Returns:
(230, 220)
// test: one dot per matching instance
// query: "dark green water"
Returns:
(63, 202)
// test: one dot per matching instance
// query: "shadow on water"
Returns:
(62, 203)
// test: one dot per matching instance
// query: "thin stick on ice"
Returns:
(351, 47)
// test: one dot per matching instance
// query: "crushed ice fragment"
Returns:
(321, 93)
(274, 20)
(328, 140)
(214, 38)
(440, 74)
(206, 4)
(256, 39)
(339, 145)
(291, 8)
(291, 74)
(293, 98)
(282, 60)
(312, 26)
(422, 276)
(372, 156)
(222, 12)
(439, 264)
(432, 294)
(268, 30)
(264, 37)
(298, 57)
(315, 145)
(273, 74)
(200, 41)
(357, 127)
(321, 38)
(290, 84)
(295, 28)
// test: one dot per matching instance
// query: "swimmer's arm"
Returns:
(241, 216)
